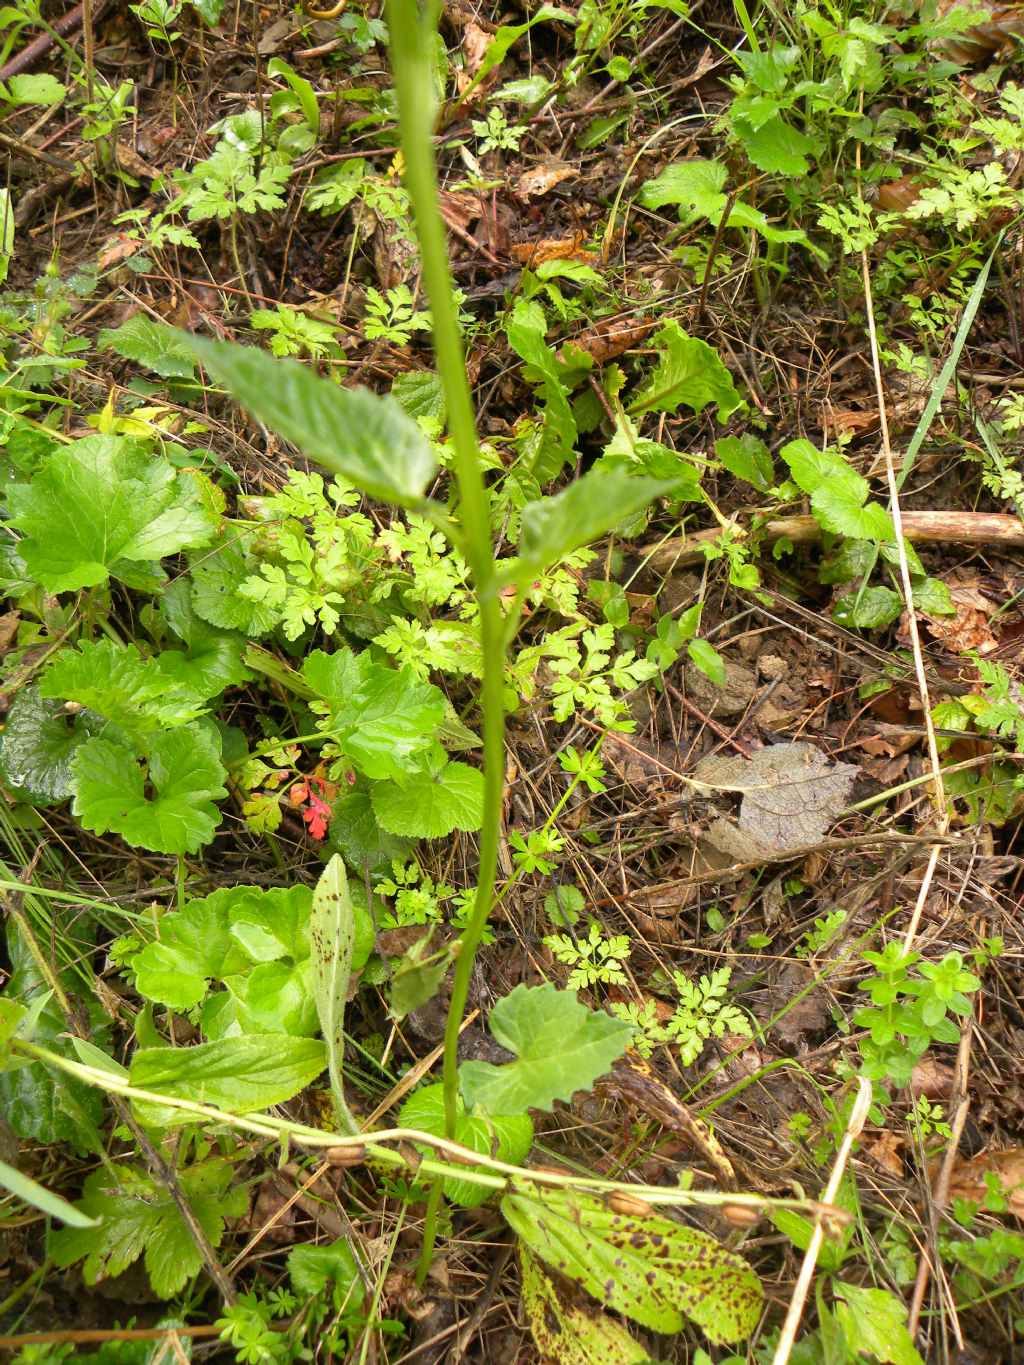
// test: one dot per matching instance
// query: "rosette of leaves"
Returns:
(241, 958)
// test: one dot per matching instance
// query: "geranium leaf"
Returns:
(131, 1216)
(650, 1269)
(136, 694)
(874, 1321)
(433, 804)
(37, 745)
(332, 935)
(839, 507)
(560, 1046)
(185, 773)
(506, 1137)
(367, 439)
(381, 718)
(216, 578)
(689, 372)
(239, 1074)
(100, 501)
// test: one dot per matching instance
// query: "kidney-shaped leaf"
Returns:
(506, 1137)
(368, 439)
(653, 1270)
(561, 1047)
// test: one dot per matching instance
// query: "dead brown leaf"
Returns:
(459, 208)
(551, 249)
(475, 43)
(885, 1149)
(932, 1078)
(9, 623)
(542, 179)
(791, 793)
(970, 628)
(608, 340)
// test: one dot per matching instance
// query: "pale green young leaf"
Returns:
(30, 1192)
(113, 680)
(810, 467)
(689, 372)
(432, 804)
(33, 88)
(369, 440)
(240, 1074)
(185, 774)
(152, 345)
(131, 1216)
(651, 1269)
(873, 1322)
(99, 502)
(506, 1137)
(560, 1046)
(332, 934)
(384, 719)
(592, 505)
(839, 507)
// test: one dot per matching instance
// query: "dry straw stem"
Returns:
(857, 1119)
(940, 1192)
(921, 528)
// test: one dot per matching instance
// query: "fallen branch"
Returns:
(965, 528)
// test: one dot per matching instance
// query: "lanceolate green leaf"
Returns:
(653, 1270)
(239, 1075)
(100, 503)
(332, 934)
(367, 439)
(600, 500)
(31, 1192)
(561, 1047)
(526, 331)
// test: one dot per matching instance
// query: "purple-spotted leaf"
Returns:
(650, 1269)
(332, 932)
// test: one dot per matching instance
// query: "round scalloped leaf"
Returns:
(433, 804)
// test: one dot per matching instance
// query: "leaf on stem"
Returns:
(367, 439)
(651, 1269)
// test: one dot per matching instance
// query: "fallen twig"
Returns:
(965, 528)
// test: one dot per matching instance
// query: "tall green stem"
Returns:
(413, 35)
